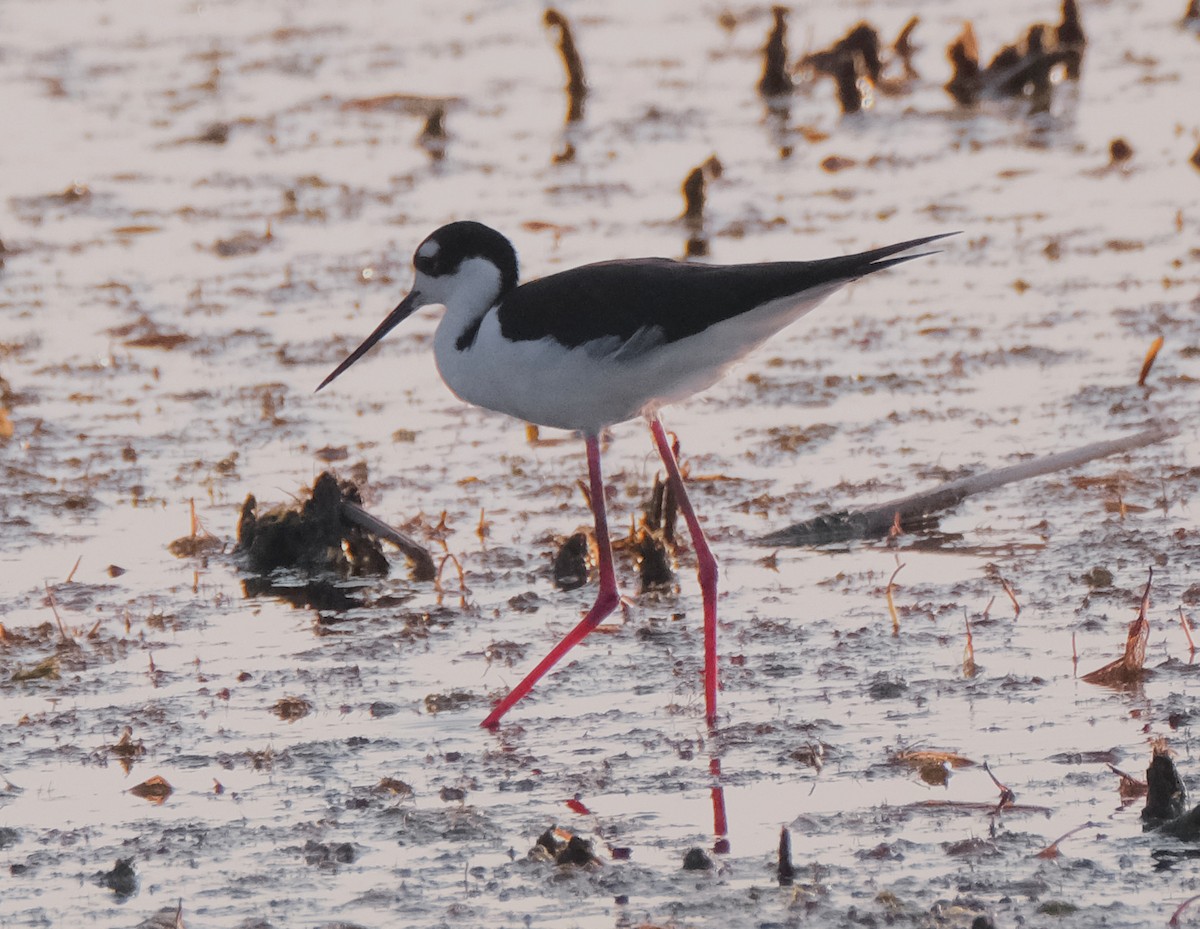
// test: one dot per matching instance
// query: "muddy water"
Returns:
(205, 206)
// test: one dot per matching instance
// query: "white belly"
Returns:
(546, 383)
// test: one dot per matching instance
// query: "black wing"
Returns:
(617, 299)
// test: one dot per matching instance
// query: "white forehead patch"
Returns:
(429, 249)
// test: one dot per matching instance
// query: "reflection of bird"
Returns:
(599, 344)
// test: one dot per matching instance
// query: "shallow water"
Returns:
(169, 301)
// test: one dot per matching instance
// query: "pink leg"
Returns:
(706, 566)
(720, 823)
(606, 600)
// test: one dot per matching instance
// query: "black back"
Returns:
(619, 298)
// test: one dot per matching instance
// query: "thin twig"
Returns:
(417, 554)
(1187, 630)
(1149, 361)
(891, 603)
(62, 629)
(1008, 589)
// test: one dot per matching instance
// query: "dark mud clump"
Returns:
(312, 537)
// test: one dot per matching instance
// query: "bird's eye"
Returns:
(426, 264)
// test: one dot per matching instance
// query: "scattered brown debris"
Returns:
(244, 243)
(835, 163)
(291, 709)
(905, 50)
(931, 766)
(154, 789)
(853, 62)
(1069, 35)
(576, 87)
(395, 787)
(1052, 850)
(694, 190)
(1021, 70)
(143, 332)
(563, 848)
(441, 703)
(46, 669)
(126, 749)
(775, 79)
(1148, 363)
(1128, 787)
(198, 541)
(970, 669)
(1119, 152)
(1129, 668)
(1008, 796)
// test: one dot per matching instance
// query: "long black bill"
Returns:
(404, 310)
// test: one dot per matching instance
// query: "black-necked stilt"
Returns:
(597, 345)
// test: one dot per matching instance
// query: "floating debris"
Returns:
(155, 789)
(122, 880)
(441, 703)
(916, 511)
(395, 787)
(697, 859)
(145, 333)
(931, 766)
(244, 243)
(694, 190)
(854, 63)
(1130, 667)
(328, 532)
(1069, 35)
(198, 541)
(576, 87)
(166, 918)
(563, 848)
(1148, 362)
(785, 871)
(1166, 795)
(571, 562)
(1021, 70)
(126, 749)
(653, 561)
(46, 669)
(1051, 851)
(905, 50)
(1119, 152)
(775, 79)
(290, 709)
